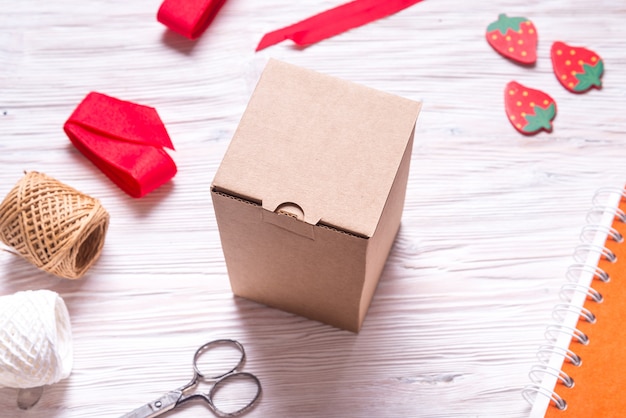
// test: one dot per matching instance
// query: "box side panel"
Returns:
(382, 241)
(319, 275)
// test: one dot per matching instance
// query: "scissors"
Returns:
(177, 397)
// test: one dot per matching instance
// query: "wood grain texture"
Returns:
(490, 222)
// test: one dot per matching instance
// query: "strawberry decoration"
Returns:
(514, 37)
(528, 110)
(578, 69)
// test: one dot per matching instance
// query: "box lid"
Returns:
(329, 146)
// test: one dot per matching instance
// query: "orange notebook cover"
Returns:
(582, 369)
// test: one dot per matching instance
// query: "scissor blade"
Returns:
(165, 403)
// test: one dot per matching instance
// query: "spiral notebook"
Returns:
(582, 369)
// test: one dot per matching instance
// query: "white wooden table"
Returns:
(490, 223)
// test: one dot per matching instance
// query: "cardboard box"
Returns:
(309, 195)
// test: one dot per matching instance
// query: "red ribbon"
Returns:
(335, 21)
(189, 18)
(124, 140)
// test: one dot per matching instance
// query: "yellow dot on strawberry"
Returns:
(511, 49)
(572, 52)
(580, 62)
(524, 53)
(512, 117)
(531, 31)
(546, 101)
(568, 62)
(508, 38)
(574, 73)
(564, 77)
(519, 125)
(532, 104)
(520, 42)
(524, 93)
(571, 84)
(494, 37)
(559, 52)
(519, 103)
(520, 31)
(523, 114)
(594, 59)
(527, 23)
(511, 92)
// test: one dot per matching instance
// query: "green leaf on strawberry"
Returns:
(528, 110)
(578, 69)
(590, 77)
(514, 37)
(541, 119)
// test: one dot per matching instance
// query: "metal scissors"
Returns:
(177, 397)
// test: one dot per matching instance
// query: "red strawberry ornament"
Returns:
(514, 37)
(529, 110)
(578, 69)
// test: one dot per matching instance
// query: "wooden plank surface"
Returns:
(490, 223)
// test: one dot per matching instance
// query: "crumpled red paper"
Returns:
(124, 140)
(189, 18)
(335, 21)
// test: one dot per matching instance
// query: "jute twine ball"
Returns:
(55, 227)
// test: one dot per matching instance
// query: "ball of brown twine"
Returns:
(55, 227)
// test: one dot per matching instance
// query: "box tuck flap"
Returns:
(329, 146)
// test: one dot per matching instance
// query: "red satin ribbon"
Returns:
(335, 21)
(189, 18)
(124, 140)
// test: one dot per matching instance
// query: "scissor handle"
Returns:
(222, 379)
(209, 398)
(212, 344)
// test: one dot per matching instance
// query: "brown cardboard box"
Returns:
(309, 196)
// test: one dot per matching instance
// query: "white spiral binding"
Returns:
(592, 293)
(544, 369)
(593, 229)
(568, 292)
(581, 311)
(597, 211)
(584, 268)
(605, 193)
(583, 249)
(546, 351)
(553, 330)
(532, 390)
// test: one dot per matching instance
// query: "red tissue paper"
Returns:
(335, 21)
(189, 18)
(124, 140)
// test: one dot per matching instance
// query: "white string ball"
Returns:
(35, 339)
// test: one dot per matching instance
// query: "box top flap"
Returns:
(330, 146)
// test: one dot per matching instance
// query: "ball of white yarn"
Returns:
(35, 339)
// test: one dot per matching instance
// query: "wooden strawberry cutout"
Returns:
(514, 37)
(578, 69)
(529, 110)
